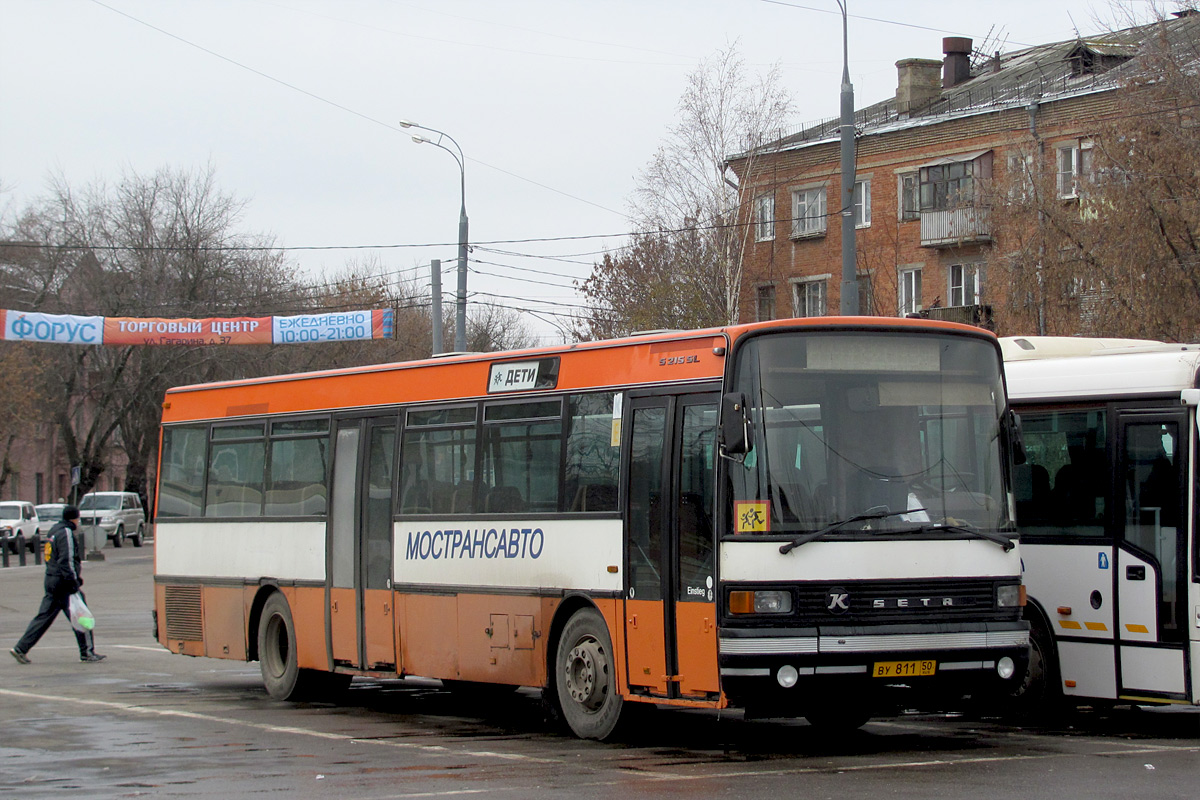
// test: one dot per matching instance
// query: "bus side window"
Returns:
(1061, 489)
(591, 458)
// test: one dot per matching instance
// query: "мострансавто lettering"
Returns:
(476, 543)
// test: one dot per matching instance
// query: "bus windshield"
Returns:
(853, 432)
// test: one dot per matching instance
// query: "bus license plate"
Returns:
(904, 669)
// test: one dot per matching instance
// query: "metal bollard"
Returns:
(37, 551)
(4, 554)
(21, 551)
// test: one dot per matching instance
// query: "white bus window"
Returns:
(1061, 490)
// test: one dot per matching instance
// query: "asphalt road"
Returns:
(148, 723)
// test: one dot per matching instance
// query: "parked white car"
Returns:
(118, 514)
(49, 515)
(19, 526)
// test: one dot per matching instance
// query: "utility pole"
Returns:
(849, 305)
(435, 291)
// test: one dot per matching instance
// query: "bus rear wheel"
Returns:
(585, 677)
(277, 660)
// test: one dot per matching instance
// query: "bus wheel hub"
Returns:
(583, 668)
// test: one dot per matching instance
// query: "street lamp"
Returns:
(460, 322)
(849, 306)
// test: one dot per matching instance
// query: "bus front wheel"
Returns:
(585, 677)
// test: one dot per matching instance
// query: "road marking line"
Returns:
(172, 712)
(162, 650)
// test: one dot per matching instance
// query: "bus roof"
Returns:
(642, 359)
(1024, 348)
(1134, 367)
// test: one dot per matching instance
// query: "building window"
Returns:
(808, 298)
(764, 218)
(966, 285)
(862, 204)
(808, 212)
(908, 190)
(866, 294)
(910, 291)
(1020, 178)
(765, 303)
(949, 184)
(1074, 167)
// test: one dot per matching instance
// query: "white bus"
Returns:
(1107, 515)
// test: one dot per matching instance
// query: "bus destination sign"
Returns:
(523, 376)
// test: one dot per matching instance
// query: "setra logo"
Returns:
(837, 600)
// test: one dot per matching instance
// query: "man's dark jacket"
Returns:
(62, 567)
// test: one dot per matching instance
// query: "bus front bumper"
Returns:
(774, 664)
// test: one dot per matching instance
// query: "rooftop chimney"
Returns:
(919, 84)
(957, 66)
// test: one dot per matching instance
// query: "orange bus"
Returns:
(803, 517)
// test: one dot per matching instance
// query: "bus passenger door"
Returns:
(670, 619)
(1152, 624)
(361, 607)
(645, 542)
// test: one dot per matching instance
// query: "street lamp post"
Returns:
(849, 306)
(460, 322)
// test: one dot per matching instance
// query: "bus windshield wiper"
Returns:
(828, 529)
(970, 530)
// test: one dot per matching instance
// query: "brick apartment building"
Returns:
(926, 161)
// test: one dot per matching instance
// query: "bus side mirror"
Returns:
(735, 425)
(1016, 438)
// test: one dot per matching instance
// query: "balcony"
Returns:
(979, 315)
(958, 226)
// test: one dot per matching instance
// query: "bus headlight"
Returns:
(771, 601)
(1005, 667)
(1010, 596)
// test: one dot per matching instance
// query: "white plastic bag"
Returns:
(81, 617)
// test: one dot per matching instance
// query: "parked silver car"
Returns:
(118, 514)
(18, 526)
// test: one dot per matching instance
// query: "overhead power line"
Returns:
(339, 106)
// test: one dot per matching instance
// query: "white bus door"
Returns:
(360, 607)
(1151, 582)
(670, 611)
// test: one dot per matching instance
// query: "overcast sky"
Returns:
(557, 104)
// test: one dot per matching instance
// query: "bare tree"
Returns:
(491, 328)
(165, 245)
(1117, 251)
(685, 207)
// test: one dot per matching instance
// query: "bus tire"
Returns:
(277, 659)
(586, 677)
(838, 719)
(1039, 693)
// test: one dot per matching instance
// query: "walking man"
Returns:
(62, 580)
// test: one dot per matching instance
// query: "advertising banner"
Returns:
(341, 326)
